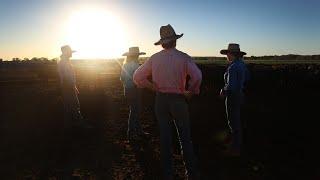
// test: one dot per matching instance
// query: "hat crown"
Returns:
(167, 34)
(66, 49)
(134, 50)
(234, 47)
(167, 31)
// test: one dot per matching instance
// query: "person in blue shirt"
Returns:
(132, 92)
(235, 78)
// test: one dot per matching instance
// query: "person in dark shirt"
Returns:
(235, 79)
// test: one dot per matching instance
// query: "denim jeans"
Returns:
(173, 107)
(233, 104)
(133, 96)
(71, 104)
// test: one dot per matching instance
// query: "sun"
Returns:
(95, 33)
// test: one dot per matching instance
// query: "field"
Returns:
(266, 62)
(280, 120)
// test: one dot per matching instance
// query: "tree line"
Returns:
(274, 57)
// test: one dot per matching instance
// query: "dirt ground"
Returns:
(280, 121)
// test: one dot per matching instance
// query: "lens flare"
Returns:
(95, 33)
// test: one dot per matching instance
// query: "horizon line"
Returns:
(149, 57)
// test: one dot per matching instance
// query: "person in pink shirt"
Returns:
(169, 70)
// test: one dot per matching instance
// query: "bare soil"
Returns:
(280, 121)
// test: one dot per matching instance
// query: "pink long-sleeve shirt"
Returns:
(169, 70)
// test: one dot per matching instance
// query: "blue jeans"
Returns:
(173, 107)
(71, 104)
(133, 96)
(233, 104)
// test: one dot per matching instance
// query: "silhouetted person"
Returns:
(235, 78)
(69, 90)
(169, 69)
(131, 92)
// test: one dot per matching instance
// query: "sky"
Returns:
(106, 29)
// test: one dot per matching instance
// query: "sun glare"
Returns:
(96, 34)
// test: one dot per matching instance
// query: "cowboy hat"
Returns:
(167, 34)
(66, 49)
(232, 48)
(133, 51)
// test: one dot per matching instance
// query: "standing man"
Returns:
(169, 69)
(69, 89)
(132, 93)
(235, 78)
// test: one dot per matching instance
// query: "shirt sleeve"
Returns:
(140, 76)
(72, 75)
(195, 77)
(123, 73)
(60, 71)
(232, 84)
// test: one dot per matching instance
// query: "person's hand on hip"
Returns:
(222, 93)
(188, 94)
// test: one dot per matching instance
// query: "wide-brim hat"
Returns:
(234, 49)
(167, 34)
(67, 49)
(133, 51)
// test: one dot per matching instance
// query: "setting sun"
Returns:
(95, 33)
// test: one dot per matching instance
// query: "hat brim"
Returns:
(226, 51)
(166, 40)
(65, 52)
(133, 54)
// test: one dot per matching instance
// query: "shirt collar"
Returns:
(236, 60)
(170, 50)
(63, 57)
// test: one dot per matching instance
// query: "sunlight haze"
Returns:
(106, 29)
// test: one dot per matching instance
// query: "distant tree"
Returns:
(54, 59)
(315, 57)
(34, 59)
(253, 57)
(43, 59)
(26, 59)
(303, 58)
(15, 59)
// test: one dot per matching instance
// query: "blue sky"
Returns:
(34, 28)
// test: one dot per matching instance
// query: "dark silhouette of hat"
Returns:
(167, 34)
(133, 51)
(232, 48)
(67, 49)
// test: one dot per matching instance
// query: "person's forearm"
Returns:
(149, 85)
(194, 85)
(195, 78)
(142, 81)
(194, 90)
(227, 90)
